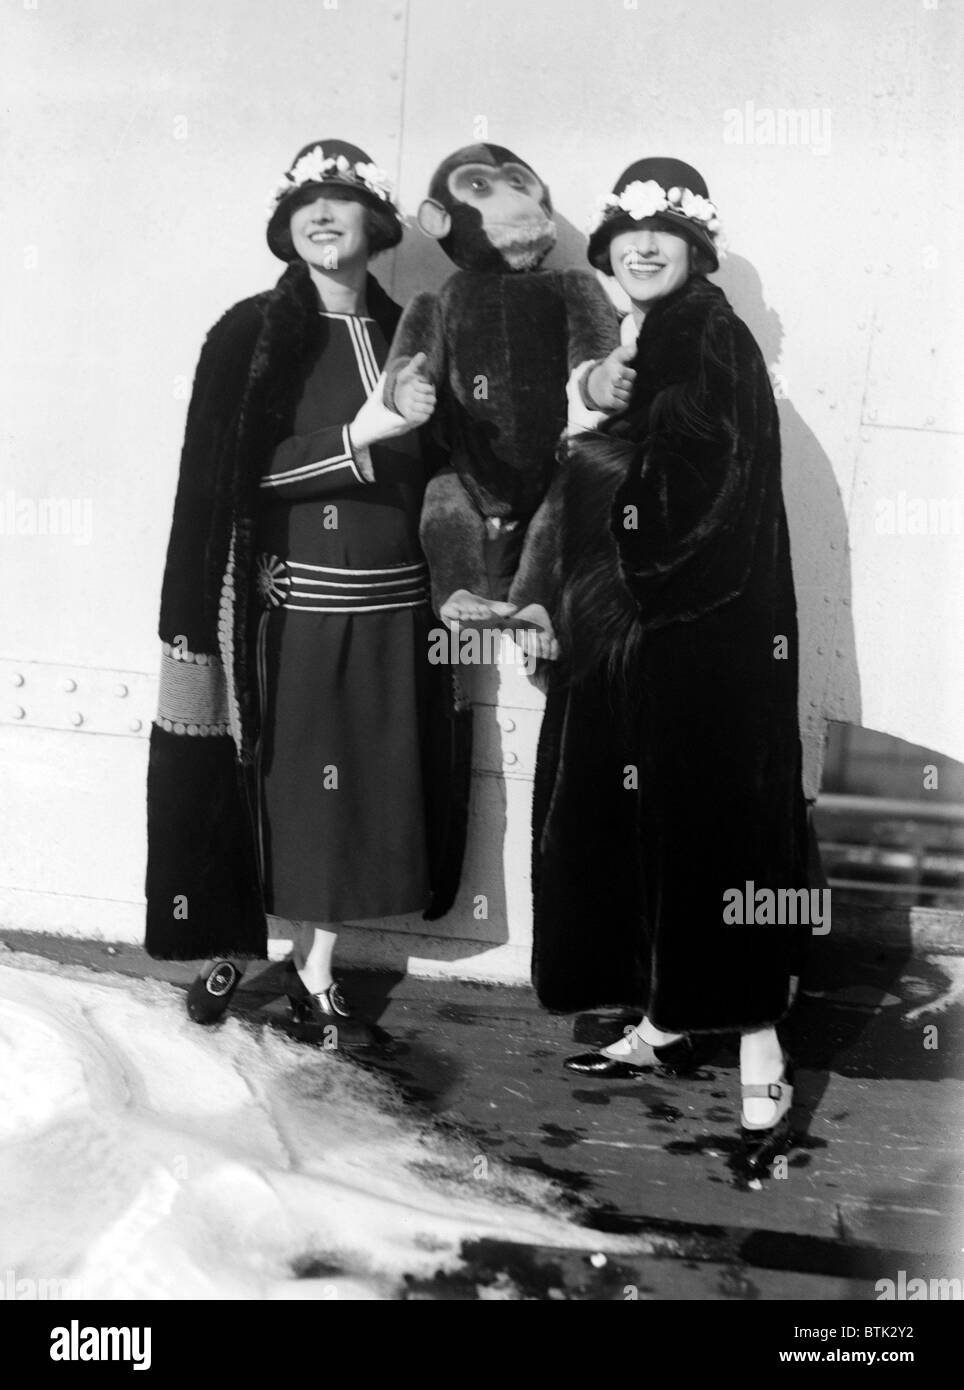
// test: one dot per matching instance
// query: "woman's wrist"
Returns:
(588, 399)
(361, 454)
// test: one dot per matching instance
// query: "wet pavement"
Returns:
(872, 1183)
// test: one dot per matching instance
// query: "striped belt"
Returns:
(326, 589)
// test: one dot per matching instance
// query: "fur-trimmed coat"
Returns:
(203, 892)
(669, 760)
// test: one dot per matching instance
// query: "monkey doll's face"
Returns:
(330, 232)
(510, 200)
(649, 262)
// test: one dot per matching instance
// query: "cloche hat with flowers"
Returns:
(332, 164)
(669, 193)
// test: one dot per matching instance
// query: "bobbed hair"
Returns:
(382, 227)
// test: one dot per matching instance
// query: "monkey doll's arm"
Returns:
(600, 379)
(419, 330)
(593, 334)
(592, 319)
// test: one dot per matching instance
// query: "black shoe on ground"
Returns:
(327, 1009)
(675, 1058)
(209, 995)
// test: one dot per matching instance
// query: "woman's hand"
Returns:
(414, 393)
(610, 382)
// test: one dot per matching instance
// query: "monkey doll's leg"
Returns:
(537, 584)
(452, 534)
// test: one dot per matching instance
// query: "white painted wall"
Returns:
(141, 143)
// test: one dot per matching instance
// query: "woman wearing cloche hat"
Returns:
(299, 761)
(669, 764)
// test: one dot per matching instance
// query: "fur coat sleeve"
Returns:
(701, 442)
(219, 383)
(202, 892)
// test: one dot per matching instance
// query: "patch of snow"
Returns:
(142, 1156)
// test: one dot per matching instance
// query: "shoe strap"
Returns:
(331, 1001)
(336, 1002)
(221, 985)
(773, 1090)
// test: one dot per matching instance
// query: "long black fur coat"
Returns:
(203, 893)
(669, 760)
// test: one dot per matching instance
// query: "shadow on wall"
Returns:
(819, 539)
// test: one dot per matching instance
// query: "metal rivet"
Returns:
(929, 420)
(511, 759)
(16, 679)
(19, 712)
(69, 685)
(77, 719)
(508, 725)
(135, 726)
(120, 690)
(820, 651)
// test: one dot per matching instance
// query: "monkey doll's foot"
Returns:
(534, 633)
(464, 607)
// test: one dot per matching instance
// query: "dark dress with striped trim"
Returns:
(342, 640)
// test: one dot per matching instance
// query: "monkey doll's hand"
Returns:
(463, 607)
(610, 382)
(414, 393)
(539, 641)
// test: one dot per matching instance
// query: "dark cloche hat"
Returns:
(672, 194)
(332, 163)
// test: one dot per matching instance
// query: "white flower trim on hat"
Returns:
(315, 167)
(640, 200)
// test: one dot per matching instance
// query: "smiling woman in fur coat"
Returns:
(301, 760)
(669, 761)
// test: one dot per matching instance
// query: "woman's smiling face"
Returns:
(331, 231)
(649, 262)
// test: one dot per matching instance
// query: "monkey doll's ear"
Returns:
(433, 219)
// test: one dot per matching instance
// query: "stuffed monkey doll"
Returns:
(500, 340)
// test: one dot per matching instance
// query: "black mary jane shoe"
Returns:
(760, 1144)
(675, 1058)
(210, 994)
(328, 1006)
